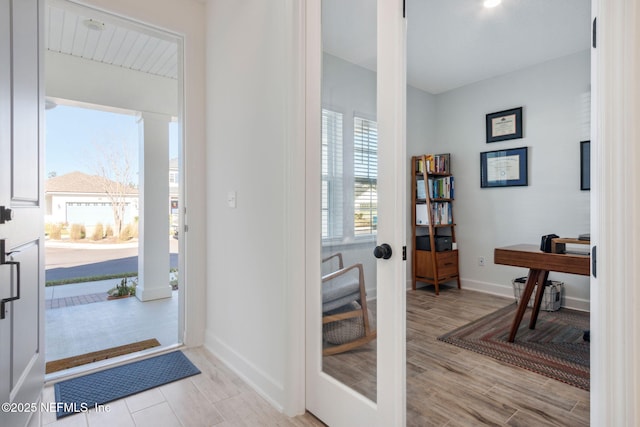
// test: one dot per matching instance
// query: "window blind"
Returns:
(332, 175)
(365, 172)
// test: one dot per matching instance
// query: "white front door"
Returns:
(356, 187)
(21, 231)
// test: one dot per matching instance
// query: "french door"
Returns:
(356, 187)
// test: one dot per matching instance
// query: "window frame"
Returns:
(343, 219)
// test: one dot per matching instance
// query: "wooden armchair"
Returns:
(345, 319)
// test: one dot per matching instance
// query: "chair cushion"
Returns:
(340, 290)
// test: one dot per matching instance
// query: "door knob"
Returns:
(383, 251)
(5, 214)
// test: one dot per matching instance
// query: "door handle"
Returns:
(3, 261)
(383, 251)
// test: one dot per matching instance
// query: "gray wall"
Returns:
(350, 89)
(555, 100)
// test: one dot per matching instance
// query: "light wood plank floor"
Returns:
(446, 385)
(450, 386)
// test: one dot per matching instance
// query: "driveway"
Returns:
(73, 260)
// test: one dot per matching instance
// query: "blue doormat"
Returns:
(87, 392)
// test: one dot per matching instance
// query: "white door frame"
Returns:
(163, 115)
(334, 402)
(615, 214)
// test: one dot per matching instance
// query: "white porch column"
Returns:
(153, 223)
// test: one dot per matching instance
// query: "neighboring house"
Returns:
(79, 198)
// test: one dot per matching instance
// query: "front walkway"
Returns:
(75, 329)
(78, 293)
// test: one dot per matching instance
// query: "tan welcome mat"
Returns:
(83, 359)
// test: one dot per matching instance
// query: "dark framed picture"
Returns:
(504, 125)
(585, 165)
(504, 168)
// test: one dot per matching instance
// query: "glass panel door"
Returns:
(351, 105)
(349, 199)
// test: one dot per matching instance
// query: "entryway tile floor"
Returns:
(84, 328)
(216, 397)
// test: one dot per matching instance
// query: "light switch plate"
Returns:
(231, 199)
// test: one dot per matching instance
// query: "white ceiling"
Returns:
(120, 43)
(452, 43)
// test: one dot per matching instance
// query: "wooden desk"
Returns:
(539, 264)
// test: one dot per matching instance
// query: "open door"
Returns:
(21, 230)
(356, 169)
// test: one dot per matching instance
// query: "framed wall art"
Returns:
(504, 125)
(504, 168)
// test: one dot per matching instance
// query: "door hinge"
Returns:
(3, 261)
(6, 214)
(594, 261)
(404, 8)
(594, 31)
(404, 253)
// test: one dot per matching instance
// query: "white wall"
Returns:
(252, 144)
(552, 96)
(421, 134)
(185, 18)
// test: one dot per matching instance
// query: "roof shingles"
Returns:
(79, 182)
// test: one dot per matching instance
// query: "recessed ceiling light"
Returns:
(92, 24)
(491, 3)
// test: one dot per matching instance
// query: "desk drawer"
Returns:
(447, 264)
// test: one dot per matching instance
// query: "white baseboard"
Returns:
(263, 384)
(507, 291)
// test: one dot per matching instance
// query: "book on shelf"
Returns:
(438, 163)
(433, 164)
(429, 167)
(421, 191)
(441, 188)
(441, 214)
(421, 214)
